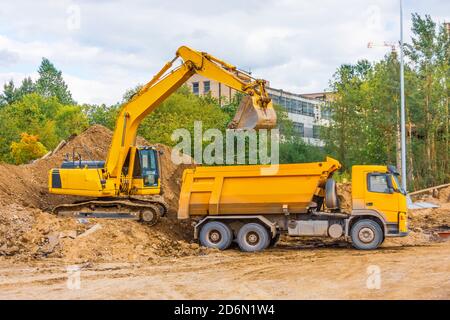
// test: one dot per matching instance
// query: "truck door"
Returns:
(380, 195)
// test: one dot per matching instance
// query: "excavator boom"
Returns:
(255, 111)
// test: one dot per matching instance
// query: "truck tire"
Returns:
(331, 198)
(215, 234)
(253, 237)
(366, 234)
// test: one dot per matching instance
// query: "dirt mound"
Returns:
(28, 231)
(33, 234)
(444, 195)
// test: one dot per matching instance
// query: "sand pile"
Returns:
(344, 191)
(27, 231)
(432, 219)
(33, 234)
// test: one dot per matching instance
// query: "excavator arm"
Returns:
(256, 110)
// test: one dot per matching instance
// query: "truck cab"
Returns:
(376, 192)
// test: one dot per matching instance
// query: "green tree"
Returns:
(345, 136)
(297, 151)
(40, 116)
(9, 94)
(51, 83)
(429, 55)
(26, 87)
(181, 110)
(102, 114)
(12, 94)
(381, 116)
(70, 120)
(32, 114)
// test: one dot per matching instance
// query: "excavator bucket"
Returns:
(250, 115)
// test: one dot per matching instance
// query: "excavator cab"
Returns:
(148, 167)
(145, 167)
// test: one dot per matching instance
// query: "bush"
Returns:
(27, 149)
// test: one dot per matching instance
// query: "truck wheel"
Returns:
(215, 234)
(253, 237)
(366, 235)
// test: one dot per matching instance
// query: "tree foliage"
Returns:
(39, 116)
(52, 84)
(27, 149)
(181, 110)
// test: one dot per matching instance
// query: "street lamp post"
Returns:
(402, 103)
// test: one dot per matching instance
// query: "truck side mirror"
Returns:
(389, 184)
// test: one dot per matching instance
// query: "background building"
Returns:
(307, 111)
(201, 86)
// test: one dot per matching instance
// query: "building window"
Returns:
(195, 89)
(308, 109)
(206, 86)
(299, 128)
(316, 132)
(326, 111)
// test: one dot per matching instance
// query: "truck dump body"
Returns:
(252, 189)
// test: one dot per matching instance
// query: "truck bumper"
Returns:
(396, 235)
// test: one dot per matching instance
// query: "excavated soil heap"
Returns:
(28, 231)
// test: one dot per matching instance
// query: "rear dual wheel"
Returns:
(251, 237)
(215, 234)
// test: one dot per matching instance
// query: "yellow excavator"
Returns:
(128, 183)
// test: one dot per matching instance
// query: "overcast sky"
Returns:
(106, 47)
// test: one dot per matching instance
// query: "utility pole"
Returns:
(402, 103)
(402, 97)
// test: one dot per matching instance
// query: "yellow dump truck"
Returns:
(253, 204)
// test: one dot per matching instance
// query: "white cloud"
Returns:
(296, 45)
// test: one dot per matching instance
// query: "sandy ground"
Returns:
(284, 272)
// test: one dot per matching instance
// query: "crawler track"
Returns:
(147, 210)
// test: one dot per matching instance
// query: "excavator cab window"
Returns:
(149, 167)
